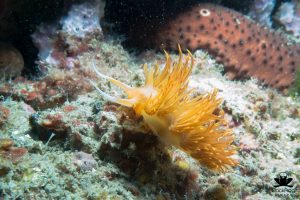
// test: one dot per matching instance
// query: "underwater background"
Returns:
(82, 117)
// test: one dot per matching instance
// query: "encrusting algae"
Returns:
(195, 125)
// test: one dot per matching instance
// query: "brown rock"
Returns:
(11, 61)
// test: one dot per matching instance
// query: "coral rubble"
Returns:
(244, 47)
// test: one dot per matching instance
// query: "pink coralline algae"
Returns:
(288, 15)
(82, 19)
(48, 91)
(261, 11)
(4, 114)
(7, 151)
(59, 47)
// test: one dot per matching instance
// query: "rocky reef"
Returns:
(261, 11)
(61, 139)
(288, 16)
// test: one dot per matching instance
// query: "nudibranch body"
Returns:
(195, 125)
(245, 48)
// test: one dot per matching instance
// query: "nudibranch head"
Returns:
(195, 125)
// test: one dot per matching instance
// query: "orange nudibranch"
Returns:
(195, 125)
